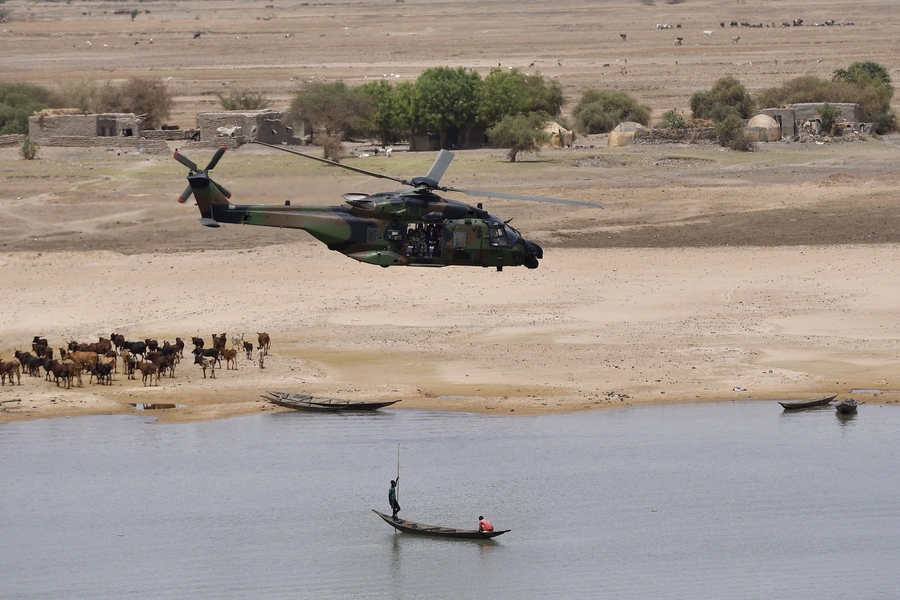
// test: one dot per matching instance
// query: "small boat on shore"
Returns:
(846, 407)
(798, 404)
(322, 404)
(433, 530)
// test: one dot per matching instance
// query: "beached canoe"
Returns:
(797, 404)
(321, 404)
(436, 531)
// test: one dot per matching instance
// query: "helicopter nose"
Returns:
(534, 250)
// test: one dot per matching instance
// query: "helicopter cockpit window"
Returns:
(497, 234)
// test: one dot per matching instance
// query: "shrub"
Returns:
(29, 149)
(672, 119)
(520, 133)
(147, 97)
(18, 101)
(728, 97)
(731, 134)
(243, 100)
(600, 112)
(828, 113)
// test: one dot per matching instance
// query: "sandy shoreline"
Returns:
(590, 329)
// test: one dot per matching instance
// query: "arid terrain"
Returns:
(710, 275)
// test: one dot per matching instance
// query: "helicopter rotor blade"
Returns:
(185, 195)
(222, 189)
(334, 163)
(187, 162)
(520, 197)
(215, 159)
(441, 162)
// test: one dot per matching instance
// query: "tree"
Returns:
(148, 97)
(600, 112)
(867, 72)
(386, 120)
(18, 101)
(134, 13)
(732, 135)
(503, 93)
(520, 133)
(546, 96)
(727, 97)
(330, 107)
(446, 98)
(332, 147)
(243, 100)
(672, 119)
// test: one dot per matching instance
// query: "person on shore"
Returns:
(484, 526)
(392, 497)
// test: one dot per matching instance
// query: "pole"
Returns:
(398, 473)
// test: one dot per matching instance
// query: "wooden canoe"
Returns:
(436, 531)
(846, 407)
(796, 404)
(321, 404)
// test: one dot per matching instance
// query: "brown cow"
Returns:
(10, 367)
(230, 356)
(83, 358)
(263, 341)
(148, 369)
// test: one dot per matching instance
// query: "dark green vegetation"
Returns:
(726, 104)
(600, 112)
(443, 100)
(18, 101)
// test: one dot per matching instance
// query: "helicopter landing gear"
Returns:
(531, 262)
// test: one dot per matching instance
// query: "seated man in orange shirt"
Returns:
(484, 525)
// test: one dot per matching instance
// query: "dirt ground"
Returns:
(710, 275)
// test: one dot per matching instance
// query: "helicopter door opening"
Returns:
(423, 243)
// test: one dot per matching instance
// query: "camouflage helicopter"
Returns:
(410, 227)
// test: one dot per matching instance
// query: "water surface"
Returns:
(731, 500)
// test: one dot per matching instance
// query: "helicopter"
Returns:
(412, 227)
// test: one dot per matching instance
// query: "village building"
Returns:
(791, 118)
(268, 126)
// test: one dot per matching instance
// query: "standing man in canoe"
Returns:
(392, 497)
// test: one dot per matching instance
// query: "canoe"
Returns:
(436, 531)
(796, 404)
(846, 407)
(321, 404)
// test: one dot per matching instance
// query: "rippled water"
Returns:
(731, 500)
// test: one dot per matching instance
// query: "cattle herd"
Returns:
(101, 359)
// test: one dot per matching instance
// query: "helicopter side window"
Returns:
(497, 234)
(372, 234)
(460, 239)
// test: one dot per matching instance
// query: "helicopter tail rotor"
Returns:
(195, 170)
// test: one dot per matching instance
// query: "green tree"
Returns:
(546, 95)
(503, 93)
(386, 121)
(600, 112)
(134, 13)
(727, 97)
(865, 73)
(521, 133)
(18, 101)
(147, 97)
(330, 107)
(446, 98)
(243, 100)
